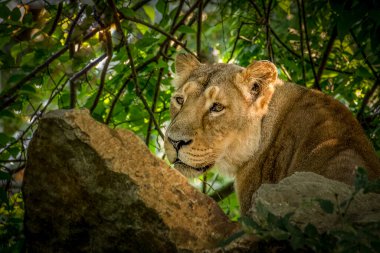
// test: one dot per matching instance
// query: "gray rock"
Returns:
(89, 188)
(298, 194)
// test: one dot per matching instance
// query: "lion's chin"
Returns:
(190, 171)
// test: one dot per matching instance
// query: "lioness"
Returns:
(258, 128)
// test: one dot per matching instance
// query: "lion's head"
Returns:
(216, 113)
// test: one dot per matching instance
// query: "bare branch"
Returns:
(301, 42)
(316, 84)
(88, 67)
(154, 104)
(104, 71)
(235, 42)
(169, 36)
(364, 55)
(199, 28)
(56, 19)
(222, 193)
(138, 90)
(68, 39)
(366, 98)
(125, 84)
(325, 57)
(267, 32)
(10, 95)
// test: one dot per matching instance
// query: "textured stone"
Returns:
(298, 194)
(89, 188)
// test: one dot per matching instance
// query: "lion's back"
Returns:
(321, 136)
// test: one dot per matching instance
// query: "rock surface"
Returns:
(298, 194)
(89, 188)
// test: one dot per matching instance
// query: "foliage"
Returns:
(11, 224)
(115, 58)
(346, 237)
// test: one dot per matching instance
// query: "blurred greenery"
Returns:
(115, 58)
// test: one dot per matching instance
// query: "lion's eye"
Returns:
(179, 100)
(216, 107)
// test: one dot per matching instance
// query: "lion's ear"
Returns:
(263, 71)
(184, 65)
(257, 83)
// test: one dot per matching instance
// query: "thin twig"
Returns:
(56, 19)
(186, 15)
(37, 115)
(325, 57)
(199, 29)
(68, 39)
(235, 42)
(11, 94)
(299, 56)
(87, 67)
(301, 42)
(256, 7)
(125, 84)
(154, 103)
(366, 98)
(364, 55)
(267, 32)
(138, 90)
(104, 71)
(169, 36)
(316, 84)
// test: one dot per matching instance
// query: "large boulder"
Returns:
(305, 193)
(89, 188)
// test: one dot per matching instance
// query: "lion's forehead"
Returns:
(217, 74)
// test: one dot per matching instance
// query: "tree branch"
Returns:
(122, 88)
(157, 29)
(267, 32)
(235, 42)
(199, 29)
(222, 193)
(325, 57)
(68, 39)
(364, 55)
(138, 90)
(104, 71)
(301, 42)
(57, 17)
(316, 84)
(155, 98)
(10, 95)
(366, 98)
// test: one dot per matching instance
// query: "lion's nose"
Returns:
(178, 144)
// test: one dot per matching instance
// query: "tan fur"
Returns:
(267, 131)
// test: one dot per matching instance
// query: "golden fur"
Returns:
(259, 129)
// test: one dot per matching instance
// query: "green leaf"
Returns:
(4, 139)
(186, 29)
(127, 12)
(326, 205)
(5, 175)
(160, 6)
(361, 179)
(311, 230)
(6, 114)
(149, 10)
(28, 88)
(3, 196)
(232, 238)
(16, 14)
(14, 151)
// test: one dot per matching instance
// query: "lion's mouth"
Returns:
(199, 169)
